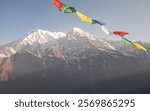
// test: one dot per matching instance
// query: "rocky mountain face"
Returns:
(76, 62)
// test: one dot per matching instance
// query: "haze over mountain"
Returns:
(76, 62)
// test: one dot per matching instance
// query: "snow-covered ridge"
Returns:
(41, 36)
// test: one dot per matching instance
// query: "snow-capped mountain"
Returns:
(32, 40)
(43, 39)
(75, 62)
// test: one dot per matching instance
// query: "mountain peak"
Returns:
(35, 31)
(76, 29)
(41, 36)
(77, 32)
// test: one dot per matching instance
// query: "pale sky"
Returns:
(20, 16)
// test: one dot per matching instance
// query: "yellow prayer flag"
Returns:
(83, 17)
(139, 47)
